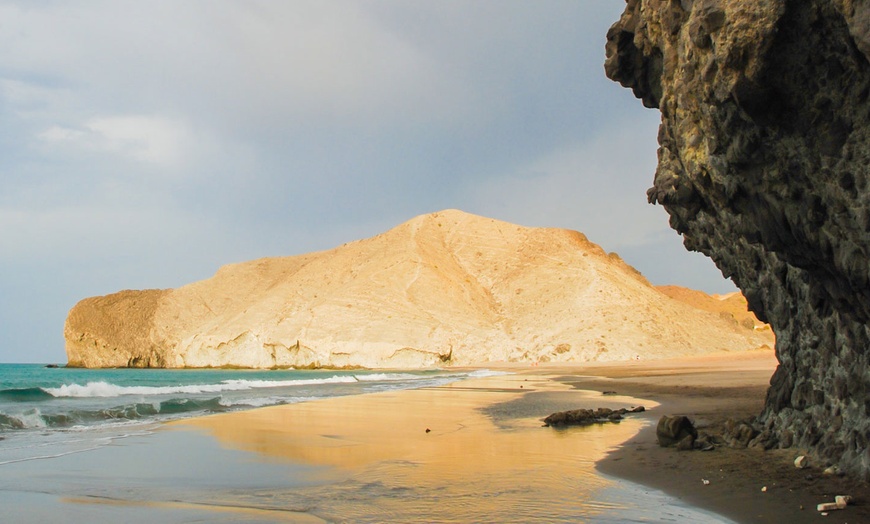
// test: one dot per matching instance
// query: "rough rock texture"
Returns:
(763, 166)
(128, 316)
(445, 288)
(674, 429)
(586, 417)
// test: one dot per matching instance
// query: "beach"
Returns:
(470, 450)
(747, 485)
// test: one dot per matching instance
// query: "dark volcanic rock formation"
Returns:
(764, 165)
(671, 430)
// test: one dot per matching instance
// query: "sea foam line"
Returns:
(388, 377)
(106, 389)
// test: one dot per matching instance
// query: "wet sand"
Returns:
(165, 476)
(366, 458)
(710, 390)
(471, 451)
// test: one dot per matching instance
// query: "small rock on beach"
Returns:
(581, 417)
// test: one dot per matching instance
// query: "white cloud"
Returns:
(150, 139)
(61, 134)
(157, 140)
(244, 64)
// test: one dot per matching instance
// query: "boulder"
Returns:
(739, 434)
(676, 429)
(686, 444)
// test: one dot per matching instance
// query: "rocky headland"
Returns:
(448, 288)
(763, 166)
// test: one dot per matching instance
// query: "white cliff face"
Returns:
(445, 288)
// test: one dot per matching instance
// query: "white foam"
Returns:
(481, 373)
(238, 385)
(388, 377)
(259, 402)
(256, 402)
(105, 389)
(29, 419)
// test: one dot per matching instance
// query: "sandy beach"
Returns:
(744, 485)
(747, 485)
(473, 450)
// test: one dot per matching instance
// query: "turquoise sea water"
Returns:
(87, 446)
(54, 411)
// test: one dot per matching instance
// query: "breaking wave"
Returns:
(25, 394)
(73, 406)
(34, 418)
(106, 389)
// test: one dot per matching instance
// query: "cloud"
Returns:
(61, 134)
(155, 140)
(247, 66)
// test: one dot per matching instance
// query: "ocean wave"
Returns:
(29, 419)
(106, 389)
(25, 394)
(102, 403)
(34, 418)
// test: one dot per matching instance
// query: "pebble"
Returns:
(840, 502)
(801, 462)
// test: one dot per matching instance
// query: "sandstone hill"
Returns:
(441, 289)
(728, 306)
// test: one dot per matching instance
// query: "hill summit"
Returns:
(443, 288)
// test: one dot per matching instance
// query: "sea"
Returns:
(52, 411)
(91, 446)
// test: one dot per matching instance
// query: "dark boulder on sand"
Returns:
(676, 430)
(582, 417)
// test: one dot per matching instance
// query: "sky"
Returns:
(144, 144)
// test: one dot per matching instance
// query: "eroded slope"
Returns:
(444, 288)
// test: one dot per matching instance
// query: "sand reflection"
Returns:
(388, 466)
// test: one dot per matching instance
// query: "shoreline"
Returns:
(747, 485)
(477, 444)
(469, 450)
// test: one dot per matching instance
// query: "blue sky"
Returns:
(145, 144)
